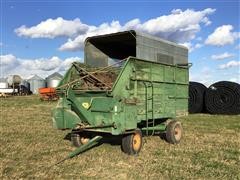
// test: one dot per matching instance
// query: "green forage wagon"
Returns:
(130, 84)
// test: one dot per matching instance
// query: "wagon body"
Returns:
(143, 91)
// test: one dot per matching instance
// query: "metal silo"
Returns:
(14, 80)
(54, 79)
(36, 82)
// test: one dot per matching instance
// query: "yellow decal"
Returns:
(86, 105)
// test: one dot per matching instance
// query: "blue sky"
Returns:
(32, 41)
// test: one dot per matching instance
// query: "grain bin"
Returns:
(3, 83)
(14, 80)
(36, 82)
(53, 80)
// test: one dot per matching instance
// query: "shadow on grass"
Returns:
(114, 140)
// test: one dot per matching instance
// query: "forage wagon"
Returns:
(130, 84)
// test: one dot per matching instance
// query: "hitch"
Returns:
(94, 141)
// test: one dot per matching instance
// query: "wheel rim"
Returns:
(177, 132)
(84, 140)
(136, 142)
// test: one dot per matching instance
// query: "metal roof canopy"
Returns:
(102, 50)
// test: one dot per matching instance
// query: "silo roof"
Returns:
(55, 75)
(35, 77)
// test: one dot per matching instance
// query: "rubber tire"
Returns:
(75, 139)
(127, 143)
(170, 132)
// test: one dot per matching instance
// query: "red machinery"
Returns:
(48, 94)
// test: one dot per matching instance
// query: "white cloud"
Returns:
(7, 62)
(206, 77)
(190, 46)
(222, 56)
(199, 38)
(187, 45)
(179, 26)
(237, 80)
(222, 35)
(206, 21)
(52, 28)
(78, 42)
(198, 45)
(237, 46)
(186, 23)
(42, 66)
(230, 64)
(67, 63)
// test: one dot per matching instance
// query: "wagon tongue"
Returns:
(94, 141)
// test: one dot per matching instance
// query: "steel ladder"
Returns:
(149, 100)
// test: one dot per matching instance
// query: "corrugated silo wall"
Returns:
(53, 82)
(36, 84)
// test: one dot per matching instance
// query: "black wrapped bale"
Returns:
(223, 97)
(196, 97)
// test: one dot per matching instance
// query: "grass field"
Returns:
(210, 149)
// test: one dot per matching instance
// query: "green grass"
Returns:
(210, 149)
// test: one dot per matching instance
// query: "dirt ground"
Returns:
(210, 149)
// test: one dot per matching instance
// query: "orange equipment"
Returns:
(48, 94)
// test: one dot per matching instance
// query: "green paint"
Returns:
(143, 92)
(160, 127)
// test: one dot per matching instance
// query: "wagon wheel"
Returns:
(174, 132)
(78, 140)
(132, 143)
